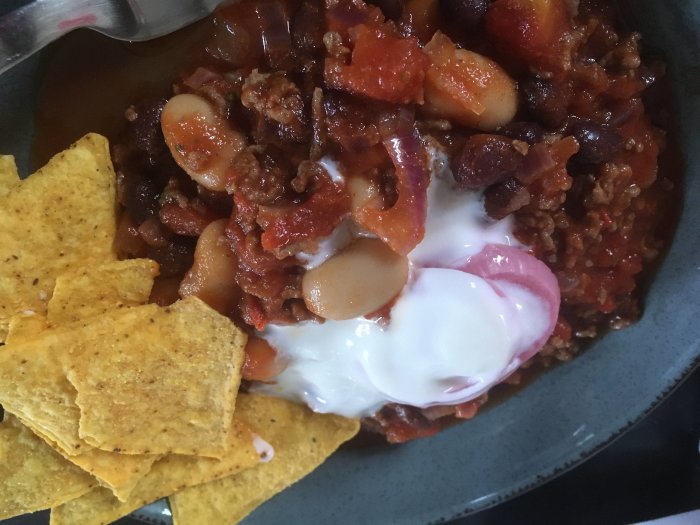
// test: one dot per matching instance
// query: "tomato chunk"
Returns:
(530, 30)
(383, 67)
(316, 217)
(261, 360)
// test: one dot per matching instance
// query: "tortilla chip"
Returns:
(89, 292)
(26, 325)
(114, 471)
(169, 389)
(61, 217)
(32, 476)
(302, 441)
(33, 387)
(9, 177)
(168, 475)
(82, 294)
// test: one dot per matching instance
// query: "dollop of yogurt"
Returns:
(476, 306)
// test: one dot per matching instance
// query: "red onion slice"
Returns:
(498, 262)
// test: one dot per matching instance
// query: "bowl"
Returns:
(565, 415)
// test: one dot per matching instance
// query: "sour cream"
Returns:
(452, 334)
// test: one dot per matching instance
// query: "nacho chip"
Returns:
(302, 441)
(32, 476)
(9, 178)
(114, 471)
(33, 387)
(63, 216)
(89, 292)
(79, 295)
(168, 475)
(25, 325)
(179, 374)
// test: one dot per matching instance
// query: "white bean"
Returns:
(357, 281)
(212, 277)
(201, 142)
(467, 87)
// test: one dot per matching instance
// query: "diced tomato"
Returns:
(383, 67)
(316, 217)
(189, 220)
(401, 431)
(261, 360)
(456, 81)
(350, 13)
(252, 312)
(469, 409)
(530, 30)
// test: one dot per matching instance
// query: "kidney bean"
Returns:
(175, 258)
(529, 132)
(144, 125)
(598, 142)
(392, 9)
(500, 200)
(546, 101)
(486, 160)
(466, 13)
(140, 197)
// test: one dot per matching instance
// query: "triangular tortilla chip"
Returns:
(117, 472)
(302, 440)
(26, 325)
(9, 177)
(89, 292)
(168, 475)
(63, 216)
(179, 375)
(79, 295)
(32, 476)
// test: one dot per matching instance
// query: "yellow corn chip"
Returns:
(167, 385)
(61, 217)
(118, 473)
(168, 475)
(32, 476)
(79, 295)
(85, 293)
(26, 325)
(9, 177)
(302, 441)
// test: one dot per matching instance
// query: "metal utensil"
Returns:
(30, 28)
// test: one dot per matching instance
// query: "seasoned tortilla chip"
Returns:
(9, 177)
(61, 217)
(32, 476)
(26, 325)
(89, 292)
(33, 387)
(33, 384)
(114, 471)
(178, 372)
(79, 295)
(302, 441)
(168, 475)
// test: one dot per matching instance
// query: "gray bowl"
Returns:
(565, 416)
